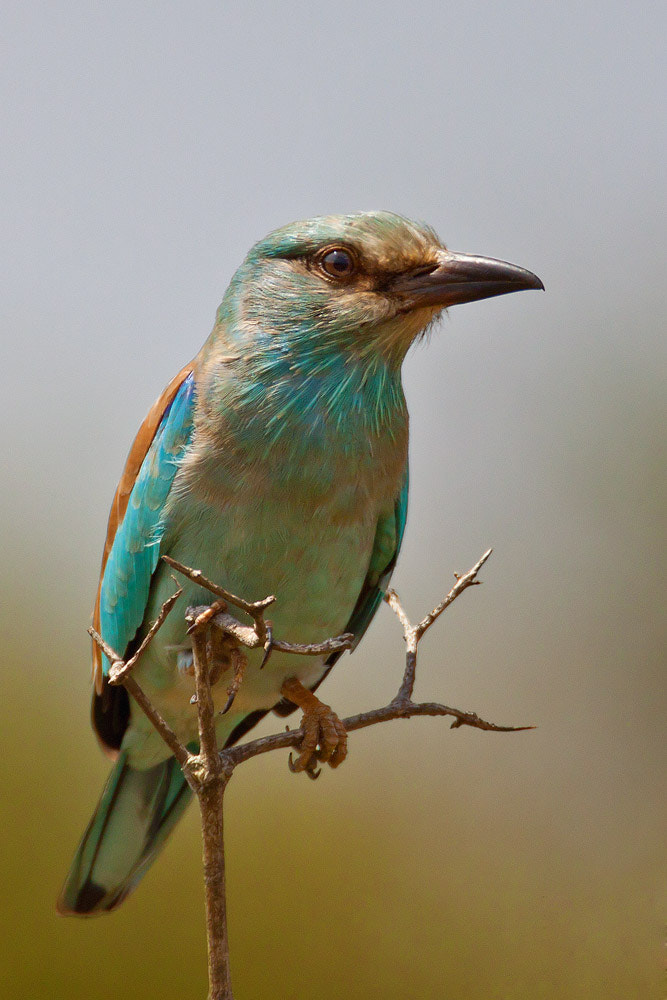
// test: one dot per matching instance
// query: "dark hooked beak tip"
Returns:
(462, 277)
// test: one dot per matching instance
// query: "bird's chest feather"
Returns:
(293, 515)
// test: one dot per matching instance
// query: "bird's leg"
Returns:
(223, 654)
(221, 649)
(324, 738)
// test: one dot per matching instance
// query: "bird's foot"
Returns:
(325, 737)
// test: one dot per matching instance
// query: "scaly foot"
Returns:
(325, 738)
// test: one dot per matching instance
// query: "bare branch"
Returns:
(120, 669)
(469, 579)
(208, 747)
(339, 644)
(250, 607)
(181, 753)
(291, 738)
(401, 706)
(413, 633)
(255, 609)
(411, 642)
(209, 772)
(247, 635)
(393, 600)
(111, 654)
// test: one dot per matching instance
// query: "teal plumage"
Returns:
(276, 463)
(136, 550)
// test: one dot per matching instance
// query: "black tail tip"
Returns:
(87, 901)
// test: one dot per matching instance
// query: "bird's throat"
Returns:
(314, 402)
(299, 433)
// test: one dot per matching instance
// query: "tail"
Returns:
(134, 817)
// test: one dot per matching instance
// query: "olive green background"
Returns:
(145, 147)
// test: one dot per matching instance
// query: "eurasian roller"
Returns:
(276, 462)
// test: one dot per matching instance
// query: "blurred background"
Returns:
(145, 148)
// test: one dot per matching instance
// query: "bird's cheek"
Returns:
(367, 307)
(398, 333)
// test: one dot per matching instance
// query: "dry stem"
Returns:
(209, 771)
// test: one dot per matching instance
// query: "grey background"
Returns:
(145, 147)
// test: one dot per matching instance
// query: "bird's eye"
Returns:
(337, 263)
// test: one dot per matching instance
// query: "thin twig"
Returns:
(338, 644)
(180, 752)
(250, 607)
(247, 636)
(411, 642)
(110, 653)
(414, 633)
(119, 670)
(255, 609)
(392, 599)
(468, 579)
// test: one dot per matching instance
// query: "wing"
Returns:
(131, 551)
(387, 545)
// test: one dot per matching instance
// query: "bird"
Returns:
(276, 462)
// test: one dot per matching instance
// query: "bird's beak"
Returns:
(461, 277)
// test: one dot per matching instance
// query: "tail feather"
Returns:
(136, 813)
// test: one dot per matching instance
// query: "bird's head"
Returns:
(367, 283)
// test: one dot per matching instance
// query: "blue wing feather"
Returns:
(136, 547)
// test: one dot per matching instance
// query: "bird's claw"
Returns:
(325, 740)
(239, 662)
(268, 645)
(311, 768)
